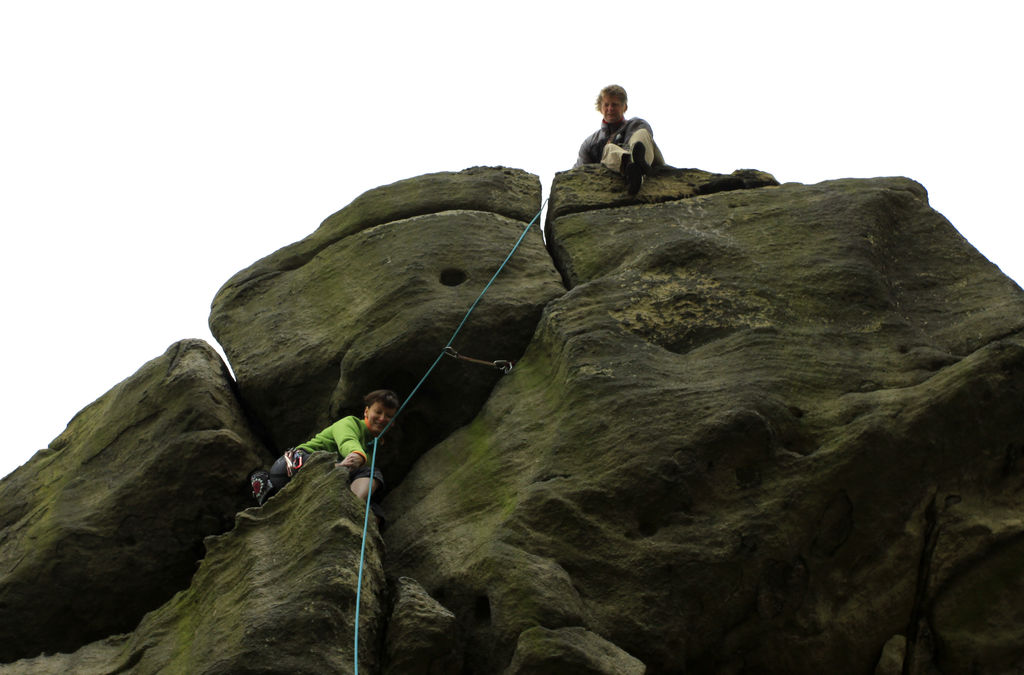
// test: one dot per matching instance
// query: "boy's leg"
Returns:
(361, 487)
(360, 483)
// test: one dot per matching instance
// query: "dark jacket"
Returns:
(593, 147)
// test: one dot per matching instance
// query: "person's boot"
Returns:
(636, 169)
(640, 158)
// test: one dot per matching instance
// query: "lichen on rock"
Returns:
(108, 522)
(727, 433)
(380, 299)
(751, 427)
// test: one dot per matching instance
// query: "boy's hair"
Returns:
(613, 90)
(386, 397)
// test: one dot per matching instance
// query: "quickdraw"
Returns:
(293, 460)
(504, 366)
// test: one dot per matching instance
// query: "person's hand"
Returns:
(352, 460)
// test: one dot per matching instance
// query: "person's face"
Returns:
(377, 416)
(613, 109)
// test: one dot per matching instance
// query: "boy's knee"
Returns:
(360, 487)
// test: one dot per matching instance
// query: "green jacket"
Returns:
(345, 436)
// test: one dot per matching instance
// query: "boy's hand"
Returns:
(352, 460)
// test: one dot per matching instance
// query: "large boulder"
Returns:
(277, 594)
(592, 186)
(569, 651)
(422, 636)
(373, 296)
(766, 431)
(107, 523)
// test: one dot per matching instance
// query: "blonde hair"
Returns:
(613, 90)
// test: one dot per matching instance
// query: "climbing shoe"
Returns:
(259, 482)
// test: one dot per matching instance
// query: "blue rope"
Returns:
(373, 454)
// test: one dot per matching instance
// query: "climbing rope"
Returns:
(504, 366)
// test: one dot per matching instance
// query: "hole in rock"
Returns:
(647, 528)
(748, 477)
(453, 277)
(482, 609)
(440, 594)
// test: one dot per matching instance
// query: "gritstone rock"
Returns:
(277, 594)
(591, 187)
(422, 637)
(541, 651)
(370, 299)
(108, 522)
(765, 431)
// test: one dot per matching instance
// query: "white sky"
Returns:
(149, 150)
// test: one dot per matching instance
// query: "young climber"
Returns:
(624, 146)
(350, 437)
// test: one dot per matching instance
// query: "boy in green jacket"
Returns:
(350, 437)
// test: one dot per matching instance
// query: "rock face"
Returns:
(422, 634)
(592, 187)
(542, 651)
(108, 522)
(372, 297)
(765, 431)
(768, 428)
(276, 594)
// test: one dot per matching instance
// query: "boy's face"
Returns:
(377, 416)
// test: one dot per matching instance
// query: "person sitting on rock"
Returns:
(624, 146)
(350, 437)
